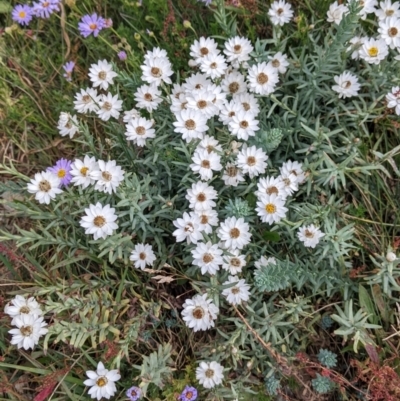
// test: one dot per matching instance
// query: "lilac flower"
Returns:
(122, 55)
(91, 24)
(188, 394)
(68, 68)
(62, 170)
(44, 8)
(134, 393)
(22, 14)
(206, 2)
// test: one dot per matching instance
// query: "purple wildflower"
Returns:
(68, 68)
(188, 394)
(22, 14)
(62, 170)
(91, 24)
(122, 55)
(206, 2)
(134, 393)
(44, 8)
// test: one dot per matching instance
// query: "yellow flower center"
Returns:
(61, 173)
(101, 381)
(93, 27)
(22, 14)
(84, 171)
(270, 208)
(373, 51)
(99, 221)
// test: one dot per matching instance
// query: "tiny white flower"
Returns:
(202, 48)
(336, 12)
(213, 65)
(210, 374)
(45, 186)
(188, 228)
(179, 104)
(99, 220)
(234, 262)
(148, 97)
(368, 7)
(22, 306)
(102, 382)
(157, 70)
(210, 144)
(295, 168)
(208, 257)
(108, 176)
(248, 102)
(196, 82)
(128, 115)
(229, 110)
(252, 161)
(387, 9)
(280, 12)
(264, 262)
(393, 99)
(199, 313)
(262, 78)
(310, 235)
(102, 74)
(346, 85)
(234, 233)
(237, 293)
(29, 328)
(238, 49)
(201, 196)
(219, 96)
(290, 182)
(202, 101)
(232, 175)
(156, 52)
(109, 106)
(374, 51)
(355, 46)
(234, 83)
(389, 30)
(208, 218)
(271, 209)
(271, 186)
(243, 125)
(68, 124)
(138, 130)
(192, 124)
(204, 163)
(279, 62)
(142, 255)
(81, 171)
(87, 100)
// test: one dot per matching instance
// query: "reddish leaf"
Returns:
(45, 392)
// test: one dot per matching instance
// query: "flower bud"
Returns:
(391, 257)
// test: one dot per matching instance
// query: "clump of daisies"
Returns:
(27, 318)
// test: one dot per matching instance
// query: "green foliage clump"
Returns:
(327, 358)
(322, 384)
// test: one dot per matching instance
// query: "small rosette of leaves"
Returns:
(268, 140)
(272, 384)
(322, 384)
(327, 358)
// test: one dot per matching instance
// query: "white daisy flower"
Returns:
(213, 65)
(252, 161)
(264, 262)
(234, 262)
(346, 85)
(243, 125)
(290, 182)
(210, 374)
(155, 53)
(45, 186)
(68, 124)
(295, 168)
(204, 163)
(102, 382)
(29, 329)
(336, 12)
(234, 83)
(389, 30)
(262, 78)
(234, 233)
(210, 144)
(368, 7)
(81, 171)
(110, 106)
(248, 102)
(387, 9)
(108, 176)
(87, 100)
(148, 97)
(202, 48)
(208, 257)
(201, 196)
(279, 62)
(177, 105)
(232, 175)
(310, 235)
(238, 49)
(130, 114)
(208, 218)
(202, 100)
(374, 51)
(142, 255)
(22, 306)
(157, 70)
(271, 186)
(280, 12)
(99, 220)
(196, 82)
(199, 313)
(228, 110)
(138, 130)
(271, 209)
(177, 90)
(191, 124)
(393, 99)
(219, 96)
(355, 45)
(237, 293)
(102, 74)
(188, 228)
